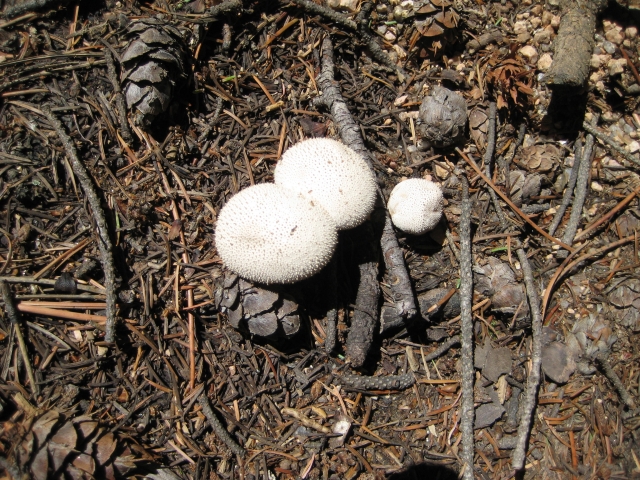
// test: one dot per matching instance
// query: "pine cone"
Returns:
(51, 445)
(265, 312)
(442, 120)
(153, 68)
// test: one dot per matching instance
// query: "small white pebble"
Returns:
(545, 62)
(530, 53)
(595, 186)
(633, 147)
(570, 311)
(631, 32)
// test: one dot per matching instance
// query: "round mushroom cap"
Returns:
(268, 234)
(331, 174)
(415, 205)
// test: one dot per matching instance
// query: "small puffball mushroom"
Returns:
(268, 234)
(331, 174)
(415, 205)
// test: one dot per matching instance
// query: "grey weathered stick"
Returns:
(104, 240)
(607, 140)
(217, 426)
(488, 163)
(466, 333)
(613, 377)
(573, 46)
(582, 188)
(529, 401)
(443, 348)
(350, 134)
(120, 102)
(332, 300)
(566, 198)
(365, 314)
(14, 316)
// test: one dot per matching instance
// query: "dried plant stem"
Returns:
(217, 426)
(529, 402)
(104, 240)
(14, 318)
(466, 333)
(566, 198)
(610, 142)
(488, 164)
(120, 101)
(613, 377)
(582, 188)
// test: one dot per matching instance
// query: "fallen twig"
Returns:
(613, 377)
(582, 188)
(520, 213)
(120, 102)
(442, 349)
(488, 163)
(466, 333)
(566, 198)
(533, 379)
(217, 426)
(104, 241)
(14, 317)
(350, 135)
(59, 313)
(608, 216)
(607, 140)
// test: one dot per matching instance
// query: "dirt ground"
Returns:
(118, 357)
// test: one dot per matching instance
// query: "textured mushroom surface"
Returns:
(442, 120)
(415, 205)
(331, 174)
(269, 234)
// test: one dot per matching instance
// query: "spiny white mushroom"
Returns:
(268, 234)
(415, 205)
(331, 174)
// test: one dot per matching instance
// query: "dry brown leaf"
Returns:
(104, 448)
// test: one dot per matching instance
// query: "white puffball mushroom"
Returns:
(332, 174)
(415, 205)
(268, 234)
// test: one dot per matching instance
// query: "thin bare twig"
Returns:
(613, 377)
(443, 348)
(104, 240)
(350, 135)
(120, 102)
(608, 216)
(582, 188)
(533, 379)
(566, 198)
(14, 317)
(217, 426)
(610, 142)
(466, 332)
(488, 163)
